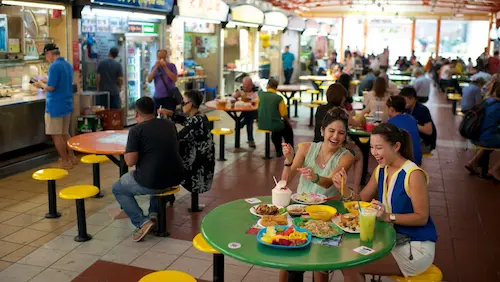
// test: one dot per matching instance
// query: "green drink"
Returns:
(367, 220)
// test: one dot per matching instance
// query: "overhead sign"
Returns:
(296, 23)
(276, 19)
(146, 28)
(203, 9)
(158, 5)
(247, 14)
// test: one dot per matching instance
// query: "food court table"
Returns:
(233, 113)
(109, 143)
(405, 79)
(318, 80)
(230, 222)
(356, 136)
(288, 91)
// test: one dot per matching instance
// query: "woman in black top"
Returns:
(195, 144)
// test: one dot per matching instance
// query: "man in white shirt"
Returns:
(446, 78)
(422, 85)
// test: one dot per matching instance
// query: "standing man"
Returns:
(59, 103)
(164, 75)
(153, 148)
(288, 59)
(110, 78)
(493, 63)
(422, 85)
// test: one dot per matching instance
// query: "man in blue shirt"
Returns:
(287, 59)
(471, 95)
(422, 85)
(59, 103)
(396, 109)
(367, 83)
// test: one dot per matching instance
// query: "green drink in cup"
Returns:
(367, 221)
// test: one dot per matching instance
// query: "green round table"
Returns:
(230, 222)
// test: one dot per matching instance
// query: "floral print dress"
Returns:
(197, 152)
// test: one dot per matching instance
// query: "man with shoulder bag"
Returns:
(164, 74)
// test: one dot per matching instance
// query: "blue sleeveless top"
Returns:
(396, 198)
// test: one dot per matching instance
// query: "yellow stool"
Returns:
(313, 92)
(312, 107)
(211, 121)
(162, 200)
(296, 101)
(454, 97)
(222, 132)
(320, 102)
(432, 274)
(484, 161)
(427, 155)
(201, 245)
(95, 161)
(364, 140)
(268, 142)
(51, 175)
(80, 193)
(450, 89)
(168, 276)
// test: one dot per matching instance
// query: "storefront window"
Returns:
(392, 33)
(463, 39)
(425, 39)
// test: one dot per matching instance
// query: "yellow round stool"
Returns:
(211, 121)
(221, 132)
(168, 276)
(162, 200)
(51, 175)
(311, 116)
(202, 245)
(95, 161)
(268, 143)
(427, 155)
(320, 102)
(432, 274)
(454, 98)
(296, 101)
(364, 140)
(79, 193)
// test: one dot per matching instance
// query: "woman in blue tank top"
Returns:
(401, 187)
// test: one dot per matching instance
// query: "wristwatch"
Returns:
(392, 217)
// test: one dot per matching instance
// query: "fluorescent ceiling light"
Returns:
(243, 24)
(198, 20)
(117, 13)
(33, 4)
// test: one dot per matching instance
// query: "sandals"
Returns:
(471, 170)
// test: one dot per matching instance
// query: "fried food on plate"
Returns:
(272, 220)
(266, 210)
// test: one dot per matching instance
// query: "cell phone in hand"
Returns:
(32, 80)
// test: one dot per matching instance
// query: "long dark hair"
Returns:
(335, 95)
(393, 135)
(380, 87)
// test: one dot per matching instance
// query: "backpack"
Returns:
(470, 126)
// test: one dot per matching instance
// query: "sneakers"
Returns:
(140, 233)
(251, 144)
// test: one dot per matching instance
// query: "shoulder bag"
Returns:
(172, 93)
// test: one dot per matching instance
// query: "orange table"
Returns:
(288, 91)
(107, 143)
(233, 113)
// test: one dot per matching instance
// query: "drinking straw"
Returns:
(275, 181)
(342, 187)
(360, 210)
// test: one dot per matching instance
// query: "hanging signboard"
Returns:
(215, 10)
(276, 19)
(296, 23)
(247, 14)
(158, 5)
(146, 28)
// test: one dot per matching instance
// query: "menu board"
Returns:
(102, 24)
(88, 23)
(104, 42)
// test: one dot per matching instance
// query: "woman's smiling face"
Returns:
(383, 151)
(335, 134)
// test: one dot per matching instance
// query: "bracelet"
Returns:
(318, 178)
(290, 164)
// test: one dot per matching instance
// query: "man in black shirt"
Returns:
(153, 148)
(110, 78)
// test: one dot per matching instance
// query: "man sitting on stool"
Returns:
(273, 115)
(153, 148)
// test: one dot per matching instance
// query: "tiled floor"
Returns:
(33, 248)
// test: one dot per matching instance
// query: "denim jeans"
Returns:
(125, 190)
(248, 120)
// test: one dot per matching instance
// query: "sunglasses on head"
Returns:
(185, 103)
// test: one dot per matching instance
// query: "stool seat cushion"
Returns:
(432, 274)
(313, 91)
(213, 118)
(222, 131)
(94, 159)
(427, 155)
(364, 140)
(454, 97)
(264, 130)
(202, 245)
(312, 105)
(168, 275)
(319, 102)
(486, 148)
(78, 192)
(171, 192)
(50, 174)
(296, 99)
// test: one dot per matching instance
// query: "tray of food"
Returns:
(348, 222)
(272, 220)
(309, 198)
(296, 210)
(263, 209)
(284, 237)
(318, 228)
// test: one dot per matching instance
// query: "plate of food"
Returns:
(318, 228)
(308, 198)
(263, 209)
(284, 237)
(273, 220)
(348, 222)
(296, 209)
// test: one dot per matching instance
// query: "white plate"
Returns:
(252, 209)
(336, 221)
(320, 201)
(290, 222)
(297, 206)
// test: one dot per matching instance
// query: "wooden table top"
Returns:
(111, 142)
(293, 87)
(213, 105)
(317, 77)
